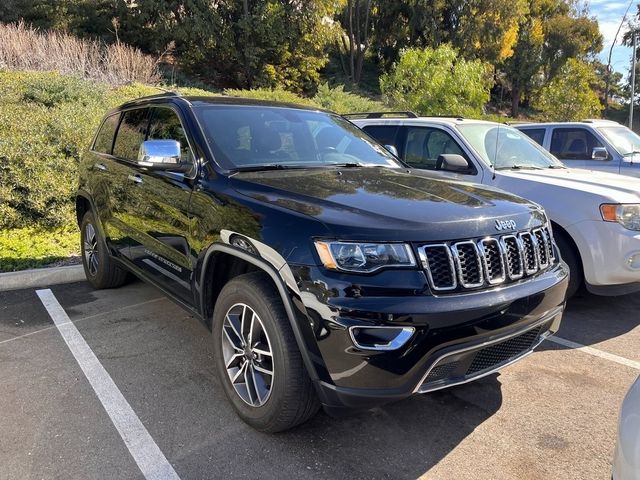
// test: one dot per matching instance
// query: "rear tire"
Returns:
(100, 268)
(247, 346)
(572, 259)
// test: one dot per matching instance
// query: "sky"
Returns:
(609, 13)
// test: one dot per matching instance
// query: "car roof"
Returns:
(198, 101)
(449, 121)
(581, 123)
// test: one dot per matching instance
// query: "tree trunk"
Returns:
(515, 101)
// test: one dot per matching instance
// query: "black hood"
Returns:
(372, 203)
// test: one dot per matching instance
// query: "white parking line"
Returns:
(595, 352)
(110, 312)
(144, 450)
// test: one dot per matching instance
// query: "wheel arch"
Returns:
(230, 260)
(558, 229)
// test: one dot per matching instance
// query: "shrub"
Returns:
(569, 96)
(437, 82)
(337, 100)
(274, 95)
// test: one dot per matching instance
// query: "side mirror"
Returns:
(161, 155)
(392, 149)
(599, 153)
(452, 162)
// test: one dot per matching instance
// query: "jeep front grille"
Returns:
(485, 262)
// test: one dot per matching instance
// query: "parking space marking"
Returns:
(144, 450)
(88, 317)
(595, 352)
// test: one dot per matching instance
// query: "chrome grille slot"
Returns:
(486, 262)
(492, 256)
(467, 260)
(437, 260)
(543, 251)
(513, 252)
(530, 254)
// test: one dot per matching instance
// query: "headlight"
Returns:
(364, 257)
(627, 215)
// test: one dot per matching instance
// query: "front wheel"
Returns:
(257, 358)
(572, 259)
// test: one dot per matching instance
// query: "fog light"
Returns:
(633, 261)
(380, 338)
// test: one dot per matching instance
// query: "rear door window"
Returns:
(104, 138)
(384, 134)
(535, 134)
(131, 134)
(573, 143)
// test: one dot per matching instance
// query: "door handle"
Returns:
(100, 166)
(135, 178)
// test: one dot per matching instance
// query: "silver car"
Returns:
(591, 144)
(626, 463)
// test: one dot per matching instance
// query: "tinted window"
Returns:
(104, 139)
(384, 134)
(573, 143)
(165, 125)
(423, 146)
(535, 134)
(254, 136)
(131, 134)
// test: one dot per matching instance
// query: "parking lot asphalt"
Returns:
(550, 416)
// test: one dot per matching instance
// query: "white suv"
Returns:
(591, 144)
(595, 215)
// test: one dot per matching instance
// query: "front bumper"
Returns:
(451, 332)
(607, 250)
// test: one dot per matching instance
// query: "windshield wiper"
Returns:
(634, 152)
(268, 166)
(556, 166)
(347, 165)
(518, 167)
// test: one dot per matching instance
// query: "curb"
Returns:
(41, 277)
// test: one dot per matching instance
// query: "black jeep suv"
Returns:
(328, 274)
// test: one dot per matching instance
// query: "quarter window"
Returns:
(573, 143)
(131, 134)
(423, 146)
(104, 138)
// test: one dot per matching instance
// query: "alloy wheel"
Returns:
(91, 256)
(247, 353)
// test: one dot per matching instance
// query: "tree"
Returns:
(356, 21)
(569, 96)
(438, 82)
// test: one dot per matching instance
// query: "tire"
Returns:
(572, 259)
(99, 267)
(269, 403)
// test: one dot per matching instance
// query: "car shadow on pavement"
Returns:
(400, 440)
(591, 319)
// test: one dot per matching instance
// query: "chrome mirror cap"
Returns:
(164, 154)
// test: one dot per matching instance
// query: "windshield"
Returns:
(251, 137)
(505, 147)
(625, 141)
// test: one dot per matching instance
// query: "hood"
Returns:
(609, 186)
(388, 204)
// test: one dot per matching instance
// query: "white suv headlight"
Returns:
(627, 215)
(364, 257)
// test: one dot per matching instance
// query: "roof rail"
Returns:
(594, 120)
(380, 114)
